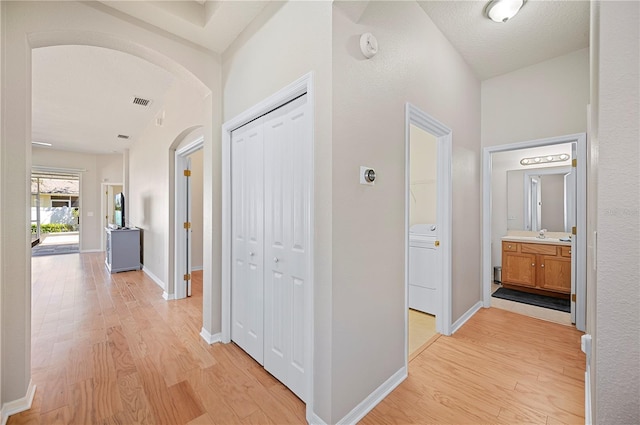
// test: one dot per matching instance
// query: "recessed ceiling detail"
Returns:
(140, 101)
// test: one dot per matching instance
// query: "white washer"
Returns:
(423, 276)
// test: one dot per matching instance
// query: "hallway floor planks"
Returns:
(108, 349)
(501, 368)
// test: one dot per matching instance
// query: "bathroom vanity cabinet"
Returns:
(537, 267)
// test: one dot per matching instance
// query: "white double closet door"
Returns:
(270, 172)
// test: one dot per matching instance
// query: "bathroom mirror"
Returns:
(540, 198)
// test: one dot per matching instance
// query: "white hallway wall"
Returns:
(416, 64)
(98, 168)
(149, 181)
(617, 293)
(38, 24)
(543, 100)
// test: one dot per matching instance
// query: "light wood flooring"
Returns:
(499, 368)
(107, 349)
(422, 327)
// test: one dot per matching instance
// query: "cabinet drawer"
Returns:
(565, 251)
(510, 246)
(536, 248)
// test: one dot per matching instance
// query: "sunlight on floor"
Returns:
(422, 327)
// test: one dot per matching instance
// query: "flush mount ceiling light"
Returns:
(503, 10)
(544, 159)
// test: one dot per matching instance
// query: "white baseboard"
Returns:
(85, 251)
(153, 277)
(196, 268)
(20, 405)
(466, 316)
(313, 419)
(167, 296)
(588, 418)
(374, 398)
(210, 338)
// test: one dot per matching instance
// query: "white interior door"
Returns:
(247, 215)
(188, 229)
(286, 147)
(571, 190)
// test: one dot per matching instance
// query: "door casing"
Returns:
(443, 135)
(182, 243)
(303, 85)
(580, 249)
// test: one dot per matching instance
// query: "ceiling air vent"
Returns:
(141, 102)
(122, 136)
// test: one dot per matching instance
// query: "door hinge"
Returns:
(573, 297)
(187, 276)
(574, 162)
(187, 225)
(187, 173)
(574, 230)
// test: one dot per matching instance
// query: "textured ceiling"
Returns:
(82, 97)
(541, 31)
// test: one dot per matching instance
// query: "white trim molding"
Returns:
(313, 419)
(372, 400)
(181, 245)
(581, 219)
(466, 316)
(20, 405)
(209, 337)
(153, 277)
(443, 135)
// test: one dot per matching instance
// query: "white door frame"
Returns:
(297, 88)
(581, 218)
(103, 210)
(180, 259)
(443, 135)
(528, 182)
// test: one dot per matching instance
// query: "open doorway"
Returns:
(55, 213)
(534, 252)
(108, 207)
(428, 229)
(189, 179)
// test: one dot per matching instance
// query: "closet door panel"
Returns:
(287, 139)
(247, 280)
(277, 216)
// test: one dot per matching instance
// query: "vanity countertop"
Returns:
(535, 239)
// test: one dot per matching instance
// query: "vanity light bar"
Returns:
(544, 159)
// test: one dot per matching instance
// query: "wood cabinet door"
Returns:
(519, 268)
(554, 273)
